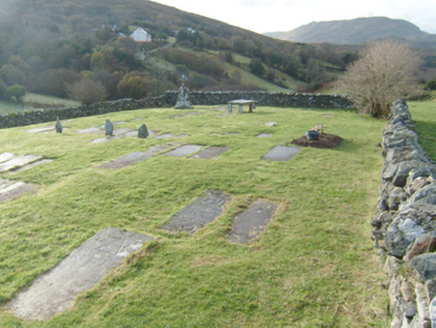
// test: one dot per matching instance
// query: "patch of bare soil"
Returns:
(325, 141)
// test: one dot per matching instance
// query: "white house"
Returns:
(140, 35)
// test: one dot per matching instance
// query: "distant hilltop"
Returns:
(354, 31)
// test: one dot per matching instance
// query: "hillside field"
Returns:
(313, 266)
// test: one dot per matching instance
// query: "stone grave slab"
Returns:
(184, 150)
(44, 129)
(161, 148)
(281, 153)
(210, 152)
(167, 136)
(264, 135)
(18, 162)
(57, 290)
(105, 139)
(135, 134)
(252, 221)
(200, 212)
(91, 131)
(6, 157)
(31, 165)
(271, 123)
(11, 189)
(127, 160)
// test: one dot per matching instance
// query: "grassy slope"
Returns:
(314, 265)
(12, 107)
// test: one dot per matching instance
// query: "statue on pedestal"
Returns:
(183, 97)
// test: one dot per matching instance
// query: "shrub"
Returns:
(87, 91)
(17, 91)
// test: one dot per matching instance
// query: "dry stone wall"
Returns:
(405, 225)
(169, 99)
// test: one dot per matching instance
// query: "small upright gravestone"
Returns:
(183, 96)
(109, 128)
(58, 125)
(143, 132)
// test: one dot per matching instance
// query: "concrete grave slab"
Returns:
(264, 135)
(161, 148)
(135, 134)
(203, 210)
(281, 153)
(127, 160)
(118, 132)
(11, 189)
(210, 152)
(252, 221)
(184, 150)
(31, 165)
(18, 162)
(57, 290)
(167, 136)
(6, 157)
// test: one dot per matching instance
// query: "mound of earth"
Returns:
(325, 141)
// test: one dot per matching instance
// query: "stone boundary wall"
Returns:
(405, 223)
(169, 99)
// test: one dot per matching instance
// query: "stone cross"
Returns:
(183, 101)
(58, 125)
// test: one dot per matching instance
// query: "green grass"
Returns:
(10, 107)
(32, 98)
(314, 266)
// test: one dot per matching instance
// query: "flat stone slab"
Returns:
(105, 139)
(250, 223)
(127, 160)
(57, 290)
(18, 162)
(45, 129)
(184, 150)
(6, 157)
(281, 153)
(135, 134)
(31, 165)
(167, 136)
(161, 148)
(203, 210)
(210, 152)
(11, 189)
(91, 131)
(264, 135)
(270, 123)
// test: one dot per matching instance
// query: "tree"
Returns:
(256, 67)
(385, 72)
(87, 91)
(17, 91)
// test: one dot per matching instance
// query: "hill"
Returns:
(51, 46)
(354, 31)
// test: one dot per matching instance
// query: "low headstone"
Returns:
(58, 125)
(109, 128)
(127, 160)
(250, 223)
(57, 290)
(210, 152)
(143, 132)
(184, 150)
(11, 189)
(281, 153)
(18, 162)
(200, 212)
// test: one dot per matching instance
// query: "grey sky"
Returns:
(284, 15)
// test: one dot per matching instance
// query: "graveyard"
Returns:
(232, 223)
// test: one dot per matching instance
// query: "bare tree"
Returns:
(385, 72)
(87, 91)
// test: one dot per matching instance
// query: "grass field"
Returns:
(314, 266)
(32, 98)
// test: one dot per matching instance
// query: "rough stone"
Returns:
(200, 212)
(109, 128)
(143, 132)
(57, 290)
(250, 223)
(424, 266)
(281, 153)
(58, 125)
(430, 287)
